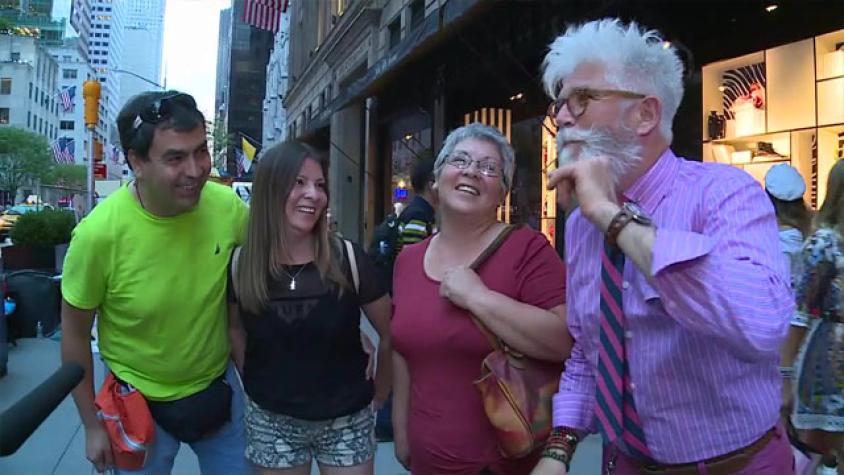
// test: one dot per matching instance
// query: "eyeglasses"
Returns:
(161, 109)
(487, 167)
(578, 99)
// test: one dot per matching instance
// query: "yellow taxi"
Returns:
(10, 216)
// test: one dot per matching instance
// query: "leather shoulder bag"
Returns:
(516, 389)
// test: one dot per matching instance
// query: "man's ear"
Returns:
(649, 115)
(136, 162)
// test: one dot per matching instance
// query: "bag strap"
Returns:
(353, 263)
(235, 259)
(494, 341)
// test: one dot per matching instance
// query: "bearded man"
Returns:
(678, 296)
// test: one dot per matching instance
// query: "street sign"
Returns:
(99, 171)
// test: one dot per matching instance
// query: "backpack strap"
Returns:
(353, 263)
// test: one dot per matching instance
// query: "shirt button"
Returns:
(628, 334)
(632, 387)
(625, 285)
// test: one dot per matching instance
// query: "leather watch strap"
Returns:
(619, 221)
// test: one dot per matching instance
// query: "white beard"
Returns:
(621, 147)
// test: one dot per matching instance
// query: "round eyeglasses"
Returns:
(486, 166)
(577, 100)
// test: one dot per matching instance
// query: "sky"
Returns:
(191, 30)
(190, 46)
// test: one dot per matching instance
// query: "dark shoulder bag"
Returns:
(516, 390)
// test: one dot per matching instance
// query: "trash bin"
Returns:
(38, 298)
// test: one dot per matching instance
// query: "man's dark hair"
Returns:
(422, 174)
(181, 117)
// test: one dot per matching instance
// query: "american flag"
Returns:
(114, 153)
(67, 96)
(63, 150)
(264, 14)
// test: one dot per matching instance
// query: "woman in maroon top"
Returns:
(519, 293)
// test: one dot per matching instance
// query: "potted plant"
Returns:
(40, 240)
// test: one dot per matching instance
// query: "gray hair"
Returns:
(634, 59)
(476, 130)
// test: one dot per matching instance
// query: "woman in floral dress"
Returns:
(819, 399)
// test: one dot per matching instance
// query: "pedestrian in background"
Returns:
(151, 262)
(785, 188)
(415, 223)
(677, 295)
(819, 401)
(439, 421)
(294, 325)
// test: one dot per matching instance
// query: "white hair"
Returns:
(598, 142)
(634, 59)
(476, 130)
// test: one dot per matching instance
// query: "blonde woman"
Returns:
(294, 326)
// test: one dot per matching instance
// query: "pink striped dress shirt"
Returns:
(703, 334)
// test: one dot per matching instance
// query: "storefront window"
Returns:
(781, 105)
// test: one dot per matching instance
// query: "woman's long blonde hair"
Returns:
(266, 244)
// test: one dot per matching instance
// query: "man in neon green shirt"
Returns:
(152, 261)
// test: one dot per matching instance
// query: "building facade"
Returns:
(380, 83)
(275, 117)
(29, 78)
(74, 71)
(221, 89)
(143, 39)
(101, 34)
(243, 88)
(80, 20)
(335, 45)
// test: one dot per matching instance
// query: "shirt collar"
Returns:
(649, 189)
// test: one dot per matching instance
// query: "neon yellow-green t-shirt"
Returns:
(159, 285)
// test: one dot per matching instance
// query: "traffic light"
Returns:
(91, 93)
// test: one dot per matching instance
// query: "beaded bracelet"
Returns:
(558, 455)
(787, 372)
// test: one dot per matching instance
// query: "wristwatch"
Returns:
(629, 212)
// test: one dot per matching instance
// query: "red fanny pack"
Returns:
(128, 422)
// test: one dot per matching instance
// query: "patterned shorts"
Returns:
(279, 441)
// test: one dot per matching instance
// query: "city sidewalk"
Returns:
(58, 446)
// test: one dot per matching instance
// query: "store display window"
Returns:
(780, 105)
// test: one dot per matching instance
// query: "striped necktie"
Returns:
(614, 408)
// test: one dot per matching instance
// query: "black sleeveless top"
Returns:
(303, 352)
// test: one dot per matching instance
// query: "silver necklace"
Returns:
(292, 285)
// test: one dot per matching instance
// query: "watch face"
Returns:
(638, 214)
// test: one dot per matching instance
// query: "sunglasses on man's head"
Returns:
(162, 109)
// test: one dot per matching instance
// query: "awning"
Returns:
(416, 43)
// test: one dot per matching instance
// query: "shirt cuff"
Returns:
(672, 247)
(573, 410)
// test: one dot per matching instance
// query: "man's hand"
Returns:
(98, 448)
(459, 284)
(590, 181)
(549, 466)
(369, 349)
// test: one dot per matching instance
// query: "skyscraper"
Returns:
(100, 24)
(143, 40)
